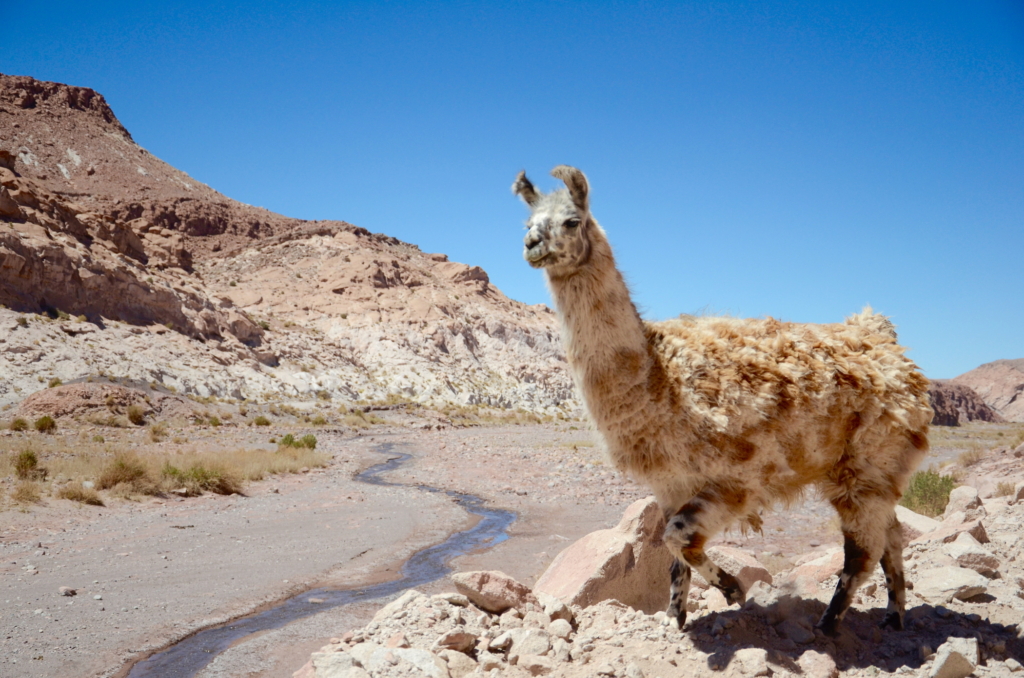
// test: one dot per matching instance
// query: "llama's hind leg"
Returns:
(678, 591)
(892, 566)
(864, 540)
(686, 533)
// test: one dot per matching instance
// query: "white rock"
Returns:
(535, 665)
(963, 498)
(914, 524)
(956, 658)
(333, 664)
(817, 665)
(740, 564)
(943, 584)
(750, 661)
(553, 607)
(528, 641)
(969, 553)
(459, 664)
(403, 601)
(560, 628)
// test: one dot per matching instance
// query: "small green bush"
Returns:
(22, 322)
(308, 440)
(264, 324)
(98, 439)
(45, 424)
(928, 493)
(214, 421)
(19, 424)
(55, 382)
(26, 466)
(261, 421)
(137, 414)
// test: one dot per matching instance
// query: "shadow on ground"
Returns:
(860, 642)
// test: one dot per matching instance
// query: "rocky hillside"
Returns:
(114, 263)
(957, 404)
(1000, 384)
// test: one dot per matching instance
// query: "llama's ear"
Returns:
(525, 190)
(576, 181)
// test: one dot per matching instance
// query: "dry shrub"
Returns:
(359, 419)
(45, 424)
(26, 492)
(158, 432)
(261, 421)
(26, 466)
(76, 491)
(137, 415)
(198, 478)
(1004, 489)
(319, 420)
(970, 457)
(127, 470)
(19, 424)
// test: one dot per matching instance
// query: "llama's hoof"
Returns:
(892, 621)
(676, 617)
(735, 596)
(829, 626)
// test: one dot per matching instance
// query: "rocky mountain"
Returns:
(114, 263)
(1000, 384)
(956, 404)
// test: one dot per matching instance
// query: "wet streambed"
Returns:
(188, 657)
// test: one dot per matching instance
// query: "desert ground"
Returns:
(150, 569)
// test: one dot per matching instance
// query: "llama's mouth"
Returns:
(535, 256)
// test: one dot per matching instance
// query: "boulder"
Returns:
(819, 569)
(750, 661)
(914, 524)
(948, 532)
(494, 591)
(969, 553)
(963, 498)
(459, 664)
(739, 564)
(628, 563)
(941, 585)
(817, 665)
(955, 658)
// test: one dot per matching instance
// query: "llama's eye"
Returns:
(572, 223)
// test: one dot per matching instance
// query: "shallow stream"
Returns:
(189, 656)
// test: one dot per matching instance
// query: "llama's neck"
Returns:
(605, 341)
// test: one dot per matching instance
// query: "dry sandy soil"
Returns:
(164, 567)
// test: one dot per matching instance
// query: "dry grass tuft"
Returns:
(18, 424)
(970, 457)
(45, 424)
(26, 466)
(1004, 489)
(127, 472)
(158, 432)
(137, 415)
(26, 492)
(76, 491)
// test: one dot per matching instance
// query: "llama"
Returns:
(723, 417)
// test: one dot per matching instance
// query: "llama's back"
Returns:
(738, 372)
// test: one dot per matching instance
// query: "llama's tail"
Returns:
(876, 322)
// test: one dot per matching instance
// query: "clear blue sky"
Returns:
(789, 159)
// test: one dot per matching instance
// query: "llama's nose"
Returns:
(532, 240)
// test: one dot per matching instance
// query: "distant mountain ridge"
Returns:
(1000, 384)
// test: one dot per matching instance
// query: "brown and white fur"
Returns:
(724, 417)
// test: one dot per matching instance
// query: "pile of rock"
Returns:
(966, 599)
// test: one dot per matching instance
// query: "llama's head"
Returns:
(560, 225)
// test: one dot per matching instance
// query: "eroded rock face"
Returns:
(955, 404)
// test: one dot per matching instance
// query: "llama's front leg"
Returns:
(678, 591)
(686, 533)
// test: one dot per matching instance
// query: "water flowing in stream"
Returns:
(187, 657)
